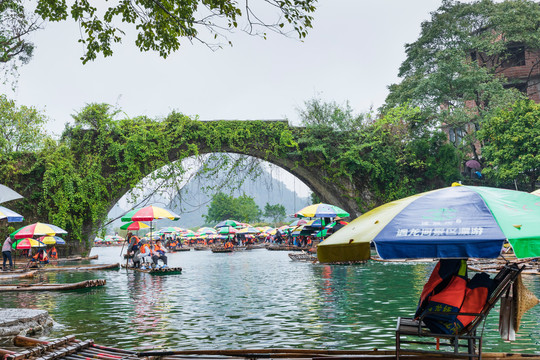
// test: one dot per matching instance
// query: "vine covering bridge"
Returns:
(74, 182)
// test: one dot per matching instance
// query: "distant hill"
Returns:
(191, 203)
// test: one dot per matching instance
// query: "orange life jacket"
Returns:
(158, 247)
(145, 249)
(53, 254)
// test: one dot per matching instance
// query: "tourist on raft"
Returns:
(40, 258)
(159, 254)
(133, 247)
(53, 253)
(144, 252)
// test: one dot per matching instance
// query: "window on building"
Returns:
(455, 135)
(522, 87)
(515, 56)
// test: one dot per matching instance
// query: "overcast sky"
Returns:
(352, 53)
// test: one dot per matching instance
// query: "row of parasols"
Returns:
(136, 221)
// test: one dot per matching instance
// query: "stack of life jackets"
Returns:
(449, 292)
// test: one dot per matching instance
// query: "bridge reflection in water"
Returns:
(250, 299)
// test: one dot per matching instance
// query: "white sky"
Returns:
(352, 53)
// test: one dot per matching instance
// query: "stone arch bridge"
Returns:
(94, 165)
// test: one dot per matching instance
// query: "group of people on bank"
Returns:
(145, 253)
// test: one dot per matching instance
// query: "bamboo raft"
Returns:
(156, 271)
(81, 268)
(221, 249)
(201, 248)
(284, 248)
(303, 256)
(532, 265)
(49, 287)
(69, 348)
(77, 258)
(17, 274)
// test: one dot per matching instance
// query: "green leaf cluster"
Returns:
(223, 207)
(511, 145)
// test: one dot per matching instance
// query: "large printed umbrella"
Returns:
(452, 222)
(27, 243)
(134, 225)
(7, 194)
(37, 229)
(321, 211)
(10, 215)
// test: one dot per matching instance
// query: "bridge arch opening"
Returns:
(187, 187)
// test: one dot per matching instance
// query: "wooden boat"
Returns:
(303, 256)
(49, 287)
(222, 249)
(81, 267)
(201, 248)
(156, 271)
(17, 274)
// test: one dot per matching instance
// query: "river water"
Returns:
(249, 299)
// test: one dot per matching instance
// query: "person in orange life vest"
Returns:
(53, 254)
(144, 252)
(228, 245)
(41, 257)
(159, 253)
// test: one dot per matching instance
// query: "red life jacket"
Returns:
(478, 291)
(438, 280)
(447, 300)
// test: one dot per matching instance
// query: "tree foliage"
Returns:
(21, 127)
(276, 213)
(453, 72)
(389, 157)
(16, 25)
(223, 207)
(161, 25)
(511, 144)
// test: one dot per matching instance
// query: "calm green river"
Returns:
(249, 299)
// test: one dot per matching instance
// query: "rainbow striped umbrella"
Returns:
(224, 223)
(36, 229)
(321, 211)
(52, 240)
(10, 215)
(134, 225)
(149, 213)
(226, 230)
(27, 243)
(206, 231)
